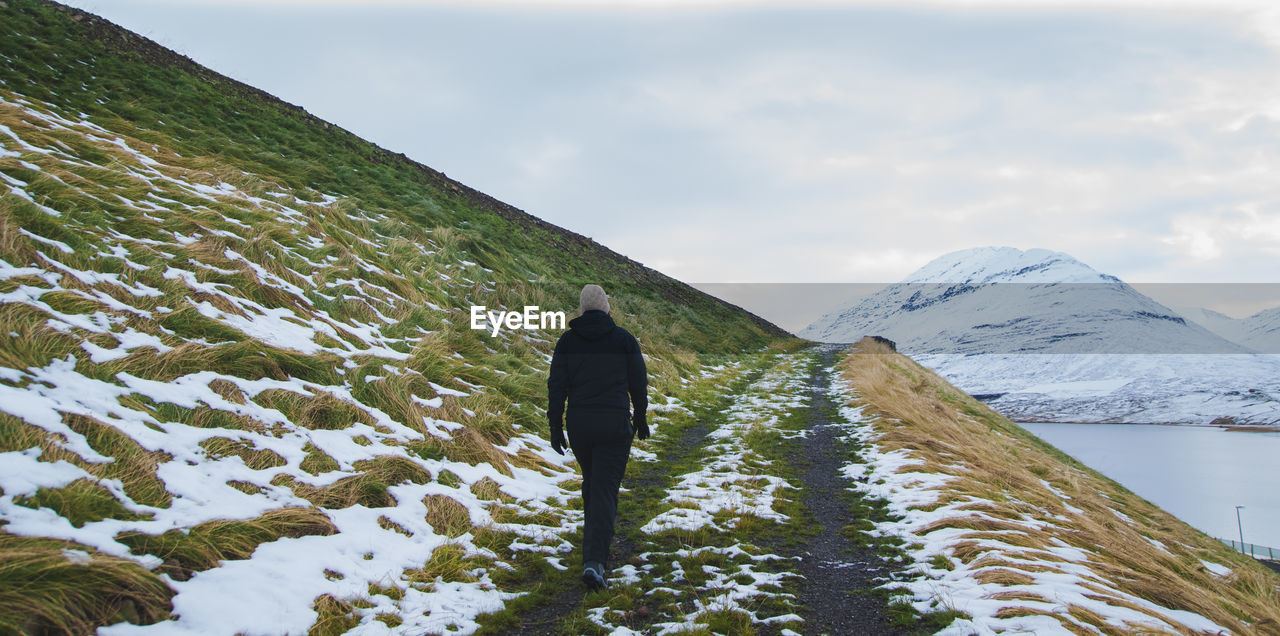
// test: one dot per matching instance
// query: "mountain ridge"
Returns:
(994, 264)
(1005, 300)
(1062, 352)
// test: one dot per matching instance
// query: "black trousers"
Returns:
(601, 442)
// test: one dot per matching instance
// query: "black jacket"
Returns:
(596, 365)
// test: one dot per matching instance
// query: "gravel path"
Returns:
(833, 568)
(836, 574)
(546, 617)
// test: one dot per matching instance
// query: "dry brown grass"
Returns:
(332, 616)
(527, 459)
(967, 551)
(993, 559)
(134, 466)
(368, 489)
(203, 546)
(470, 447)
(15, 248)
(994, 459)
(42, 591)
(447, 516)
(1086, 616)
(386, 523)
(1003, 576)
(246, 487)
(321, 411)
(1016, 612)
(1065, 621)
(1019, 595)
(488, 490)
(228, 390)
(317, 461)
(257, 459)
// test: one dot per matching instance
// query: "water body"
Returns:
(1198, 474)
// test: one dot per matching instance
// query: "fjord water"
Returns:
(1199, 474)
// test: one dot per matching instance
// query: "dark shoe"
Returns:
(593, 576)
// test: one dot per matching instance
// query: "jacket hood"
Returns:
(593, 325)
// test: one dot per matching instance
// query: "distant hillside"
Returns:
(239, 391)
(1260, 332)
(1042, 336)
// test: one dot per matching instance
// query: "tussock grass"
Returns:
(233, 355)
(80, 502)
(386, 523)
(368, 488)
(37, 344)
(322, 411)
(333, 616)
(993, 459)
(257, 459)
(448, 563)
(228, 391)
(203, 546)
(15, 248)
(1003, 576)
(245, 487)
(447, 516)
(133, 466)
(527, 459)
(488, 490)
(48, 586)
(471, 447)
(317, 461)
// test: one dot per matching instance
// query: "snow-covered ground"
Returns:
(1133, 388)
(1028, 587)
(271, 591)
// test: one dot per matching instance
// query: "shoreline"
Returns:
(1233, 428)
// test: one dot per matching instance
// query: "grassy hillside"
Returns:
(237, 365)
(1019, 536)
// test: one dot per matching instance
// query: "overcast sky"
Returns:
(838, 142)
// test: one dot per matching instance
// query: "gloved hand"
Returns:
(557, 438)
(641, 426)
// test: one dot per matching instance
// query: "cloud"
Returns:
(817, 142)
(1247, 228)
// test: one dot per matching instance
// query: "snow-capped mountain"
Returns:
(1042, 336)
(1005, 300)
(1260, 332)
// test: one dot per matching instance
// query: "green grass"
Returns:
(79, 502)
(902, 615)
